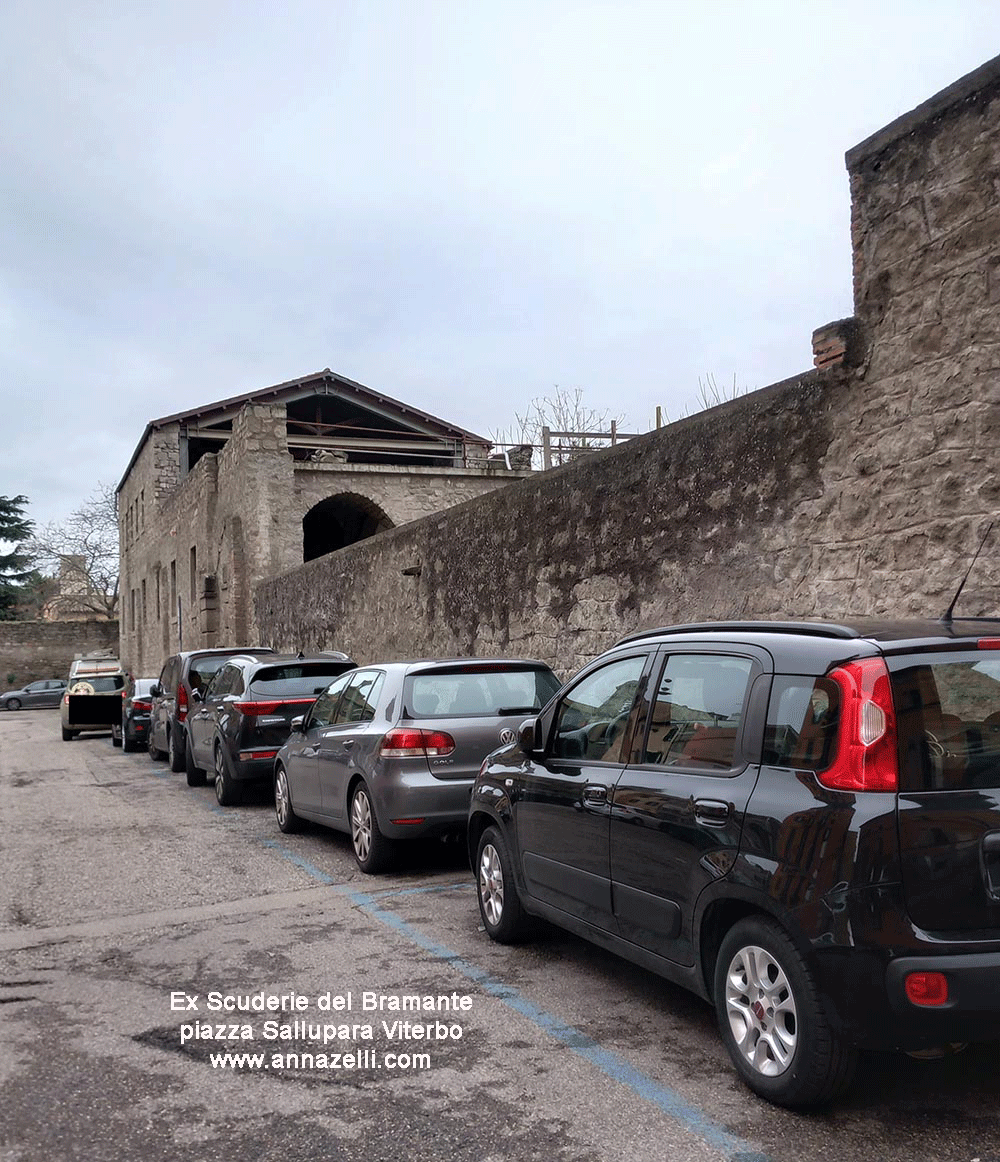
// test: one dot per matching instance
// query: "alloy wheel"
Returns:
(491, 884)
(761, 1010)
(281, 799)
(361, 825)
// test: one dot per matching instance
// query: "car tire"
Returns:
(155, 754)
(175, 756)
(288, 821)
(374, 851)
(228, 792)
(116, 736)
(504, 918)
(129, 744)
(68, 734)
(195, 775)
(772, 1018)
(13, 703)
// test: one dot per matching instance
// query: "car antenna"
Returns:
(946, 620)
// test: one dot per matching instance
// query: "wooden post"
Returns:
(546, 448)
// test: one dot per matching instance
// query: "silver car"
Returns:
(389, 752)
(45, 692)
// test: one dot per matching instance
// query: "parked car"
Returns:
(45, 692)
(181, 675)
(389, 752)
(92, 700)
(133, 730)
(236, 728)
(798, 822)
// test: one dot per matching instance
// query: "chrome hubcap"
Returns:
(361, 825)
(281, 798)
(491, 884)
(761, 1011)
(220, 773)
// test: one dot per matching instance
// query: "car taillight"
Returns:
(138, 704)
(182, 703)
(409, 743)
(866, 758)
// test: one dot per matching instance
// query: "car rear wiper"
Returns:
(507, 710)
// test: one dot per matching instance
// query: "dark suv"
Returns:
(244, 717)
(800, 822)
(181, 675)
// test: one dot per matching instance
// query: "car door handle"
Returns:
(711, 812)
(595, 795)
(348, 743)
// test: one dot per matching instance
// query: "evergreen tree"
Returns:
(16, 566)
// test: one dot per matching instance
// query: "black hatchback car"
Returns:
(237, 726)
(800, 822)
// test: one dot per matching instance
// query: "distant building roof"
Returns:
(332, 384)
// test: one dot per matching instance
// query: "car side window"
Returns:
(325, 705)
(697, 712)
(223, 682)
(361, 696)
(591, 722)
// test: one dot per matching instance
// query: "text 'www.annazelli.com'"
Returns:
(362, 1059)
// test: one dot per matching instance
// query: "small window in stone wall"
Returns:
(173, 587)
(145, 615)
(159, 611)
(194, 574)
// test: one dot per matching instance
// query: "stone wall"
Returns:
(30, 650)
(860, 488)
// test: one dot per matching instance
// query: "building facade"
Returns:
(218, 497)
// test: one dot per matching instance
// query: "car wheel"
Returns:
(175, 750)
(227, 790)
(13, 703)
(129, 744)
(772, 1018)
(116, 736)
(373, 850)
(67, 734)
(288, 821)
(155, 753)
(195, 775)
(499, 903)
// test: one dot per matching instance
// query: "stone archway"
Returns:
(338, 521)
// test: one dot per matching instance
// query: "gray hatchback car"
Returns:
(389, 752)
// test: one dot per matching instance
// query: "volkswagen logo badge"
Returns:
(507, 736)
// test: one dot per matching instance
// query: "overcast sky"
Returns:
(460, 204)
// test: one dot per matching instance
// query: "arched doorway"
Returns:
(339, 521)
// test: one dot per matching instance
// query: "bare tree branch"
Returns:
(83, 552)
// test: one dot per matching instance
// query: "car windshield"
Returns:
(478, 693)
(304, 679)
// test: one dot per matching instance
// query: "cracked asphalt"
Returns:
(121, 890)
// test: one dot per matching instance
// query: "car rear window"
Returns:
(948, 724)
(478, 694)
(104, 685)
(306, 679)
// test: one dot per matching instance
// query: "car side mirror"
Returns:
(196, 695)
(527, 737)
(298, 723)
(155, 690)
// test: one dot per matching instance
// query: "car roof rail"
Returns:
(806, 628)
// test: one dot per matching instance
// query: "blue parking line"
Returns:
(303, 864)
(610, 1063)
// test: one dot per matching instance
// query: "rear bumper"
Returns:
(864, 981)
(440, 805)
